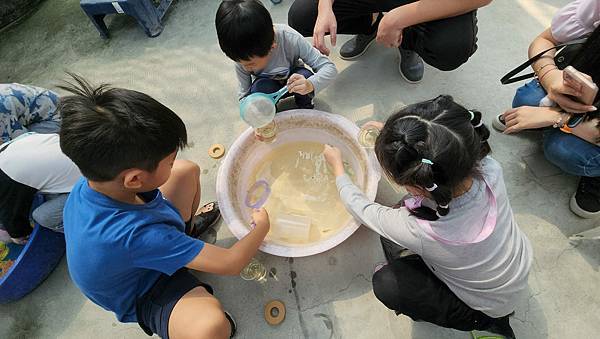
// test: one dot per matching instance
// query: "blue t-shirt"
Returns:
(117, 251)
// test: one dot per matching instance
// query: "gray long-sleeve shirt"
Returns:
(489, 275)
(292, 50)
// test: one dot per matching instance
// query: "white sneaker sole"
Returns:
(581, 212)
(498, 126)
(360, 54)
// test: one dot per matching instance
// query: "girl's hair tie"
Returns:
(432, 188)
(478, 125)
(443, 206)
(427, 161)
(472, 114)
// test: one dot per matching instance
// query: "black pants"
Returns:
(15, 204)
(444, 44)
(407, 286)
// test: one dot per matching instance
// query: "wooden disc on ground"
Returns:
(274, 312)
(216, 151)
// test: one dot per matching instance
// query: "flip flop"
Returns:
(209, 215)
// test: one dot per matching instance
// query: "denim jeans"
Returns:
(568, 152)
(529, 94)
(50, 213)
(266, 85)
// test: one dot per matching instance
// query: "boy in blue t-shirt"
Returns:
(124, 222)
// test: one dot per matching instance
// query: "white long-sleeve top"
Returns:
(488, 274)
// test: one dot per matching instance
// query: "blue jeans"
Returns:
(50, 213)
(568, 152)
(267, 85)
(529, 94)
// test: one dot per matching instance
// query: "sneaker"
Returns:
(358, 45)
(586, 201)
(498, 123)
(205, 220)
(308, 106)
(411, 66)
(231, 323)
(305, 103)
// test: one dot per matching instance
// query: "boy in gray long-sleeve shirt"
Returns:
(269, 56)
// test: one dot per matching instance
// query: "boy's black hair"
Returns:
(453, 138)
(106, 130)
(244, 29)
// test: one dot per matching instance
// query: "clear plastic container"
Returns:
(367, 136)
(292, 226)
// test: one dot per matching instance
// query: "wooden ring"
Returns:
(216, 151)
(274, 312)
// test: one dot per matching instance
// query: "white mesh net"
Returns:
(258, 111)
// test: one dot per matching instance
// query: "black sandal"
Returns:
(205, 220)
(231, 323)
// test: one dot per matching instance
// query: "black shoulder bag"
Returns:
(562, 59)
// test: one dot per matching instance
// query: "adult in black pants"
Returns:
(441, 32)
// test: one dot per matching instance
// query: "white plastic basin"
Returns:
(246, 153)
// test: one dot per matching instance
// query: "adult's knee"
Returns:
(529, 94)
(302, 16)
(40, 217)
(451, 44)
(49, 215)
(571, 154)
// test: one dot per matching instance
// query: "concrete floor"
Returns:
(327, 295)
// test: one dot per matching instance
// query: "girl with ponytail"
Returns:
(470, 260)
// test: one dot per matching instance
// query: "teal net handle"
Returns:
(277, 95)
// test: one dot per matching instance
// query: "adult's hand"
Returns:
(326, 23)
(529, 117)
(558, 91)
(389, 32)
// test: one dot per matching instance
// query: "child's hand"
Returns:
(528, 117)
(260, 218)
(333, 155)
(297, 83)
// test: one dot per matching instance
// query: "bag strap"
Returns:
(508, 78)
